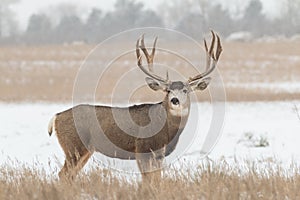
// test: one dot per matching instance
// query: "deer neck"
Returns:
(176, 118)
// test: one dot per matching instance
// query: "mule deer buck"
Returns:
(153, 131)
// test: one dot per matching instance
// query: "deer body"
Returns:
(64, 124)
(146, 132)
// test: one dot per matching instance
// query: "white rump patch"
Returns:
(51, 125)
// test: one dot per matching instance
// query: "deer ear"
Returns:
(154, 85)
(201, 84)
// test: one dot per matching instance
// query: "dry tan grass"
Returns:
(208, 181)
(47, 73)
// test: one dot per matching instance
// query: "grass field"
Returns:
(207, 181)
(250, 71)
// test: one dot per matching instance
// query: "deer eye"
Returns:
(185, 91)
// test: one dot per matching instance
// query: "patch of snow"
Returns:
(242, 36)
(24, 137)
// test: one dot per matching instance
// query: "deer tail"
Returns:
(51, 125)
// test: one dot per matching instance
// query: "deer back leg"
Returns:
(73, 164)
(82, 161)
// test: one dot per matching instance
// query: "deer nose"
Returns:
(175, 101)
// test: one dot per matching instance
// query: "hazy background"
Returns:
(58, 21)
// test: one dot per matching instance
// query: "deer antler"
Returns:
(149, 58)
(211, 57)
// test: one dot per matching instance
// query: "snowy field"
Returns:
(251, 131)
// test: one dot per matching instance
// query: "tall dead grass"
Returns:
(208, 181)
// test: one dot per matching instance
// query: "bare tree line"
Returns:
(64, 24)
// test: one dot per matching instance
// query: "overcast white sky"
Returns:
(27, 7)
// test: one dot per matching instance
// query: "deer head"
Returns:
(178, 92)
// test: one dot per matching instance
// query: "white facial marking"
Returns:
(178, 98)
(179, 95)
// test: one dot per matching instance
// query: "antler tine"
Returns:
(142, 46)
(208, 60)
(211, 57)
(219, 48)
(138, 54)
(154, 47)
(212, 45)
(150, 62)
(149, 57)
(205, 45)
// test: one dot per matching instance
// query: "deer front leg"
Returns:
(150, 166)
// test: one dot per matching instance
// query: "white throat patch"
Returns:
(179, 112)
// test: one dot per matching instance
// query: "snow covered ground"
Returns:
(252, 130)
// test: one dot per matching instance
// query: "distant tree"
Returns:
(94, 19)
(196, 17)
(93, 27)
(8, 23)
(64, 10)
(220, 20)
(126, 13)
(69, 29)
(39, 29)
(253, 10)
(149, 18)
(173, 12)
(204, 16)
(193, 24)
(290, 21)
(253, 20)
(129, 14)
